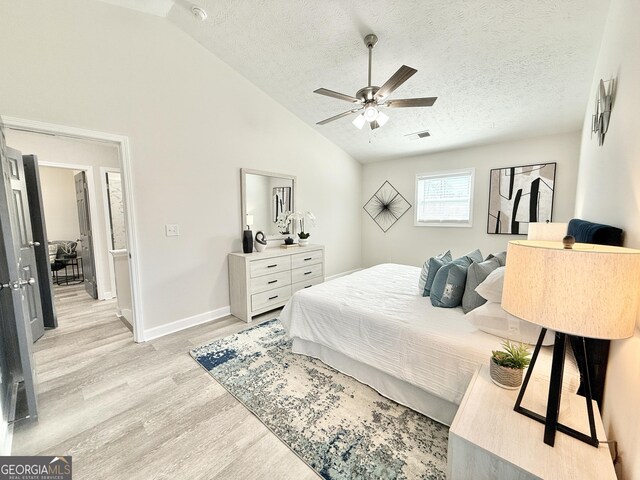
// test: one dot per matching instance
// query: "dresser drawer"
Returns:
(304, 273)
(310, 258)
(270, 281)
(269, 265)
(306, 284)
(274, 297)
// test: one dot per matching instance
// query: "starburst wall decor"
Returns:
(386, 206)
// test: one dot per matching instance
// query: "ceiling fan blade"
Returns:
(402, 75)
(374, 124)
(411, 102)
(336, 117)
(338, 95)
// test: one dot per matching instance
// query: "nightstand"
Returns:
(488, 440)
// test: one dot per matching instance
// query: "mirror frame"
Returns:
(243, 196)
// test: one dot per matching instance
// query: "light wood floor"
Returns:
(142, 411)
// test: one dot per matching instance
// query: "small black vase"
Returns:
(247, 241)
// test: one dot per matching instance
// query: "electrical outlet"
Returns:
(172, 230)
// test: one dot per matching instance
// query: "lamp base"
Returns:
(247, 241)
(550, 421)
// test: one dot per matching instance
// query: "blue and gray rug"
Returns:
(338, 426)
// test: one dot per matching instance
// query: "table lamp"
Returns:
(548, 231)
(585, 291)
(247, 237)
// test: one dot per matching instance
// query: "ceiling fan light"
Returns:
(359, 121)
(370, 113)
(382, 118)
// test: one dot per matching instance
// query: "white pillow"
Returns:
(492, 318)
(491, 288)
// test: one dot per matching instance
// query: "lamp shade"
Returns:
(588, 291)
(553, 232)
(249, 220)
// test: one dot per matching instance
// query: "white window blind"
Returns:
(444, 198)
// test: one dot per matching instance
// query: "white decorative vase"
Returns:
(303, 242)
(509, 378)
(261, 247)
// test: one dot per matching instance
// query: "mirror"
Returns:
(266, 196)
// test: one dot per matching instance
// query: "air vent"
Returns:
(418, 135)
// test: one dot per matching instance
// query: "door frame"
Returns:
(107, 222)
(126, 171)
(103, 294)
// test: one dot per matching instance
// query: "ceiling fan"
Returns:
(371, 98)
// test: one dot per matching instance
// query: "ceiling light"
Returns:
(359, 121)
(382, 118)
(199, 13)
(370, 113)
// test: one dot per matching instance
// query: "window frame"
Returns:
(445, 173)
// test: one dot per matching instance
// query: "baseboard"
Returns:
(338, 275)
(162, 330)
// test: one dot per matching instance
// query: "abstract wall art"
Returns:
(386, 206)
(520, 195)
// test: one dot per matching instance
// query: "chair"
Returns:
(62, 254)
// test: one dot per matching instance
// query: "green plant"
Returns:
(514, 355)
(304, 235)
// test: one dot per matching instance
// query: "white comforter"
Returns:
(376, 316)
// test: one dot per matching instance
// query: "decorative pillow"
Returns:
(501, 257)
(491, 288)
(477, 273)
(492, 318)
(425, 271)
(448, 284)
(434, 265)
(475, 256)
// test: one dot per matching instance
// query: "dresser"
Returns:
(259, 282)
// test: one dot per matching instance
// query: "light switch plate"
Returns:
(172, 230)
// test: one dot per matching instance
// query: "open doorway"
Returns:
(104, 239)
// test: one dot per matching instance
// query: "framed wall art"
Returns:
(520, 195)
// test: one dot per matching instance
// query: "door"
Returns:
(23, 240)
(41, 250)
(18, 278)
(86, 237)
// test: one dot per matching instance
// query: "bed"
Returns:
(374, 326)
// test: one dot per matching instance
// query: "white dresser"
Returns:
(259, 282)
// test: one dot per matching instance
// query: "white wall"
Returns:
(193, 122)
(609, 192)
(74, 152)
(405, 243)
(59, 201)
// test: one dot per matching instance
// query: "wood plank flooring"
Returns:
(142, 411)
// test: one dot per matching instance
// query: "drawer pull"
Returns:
(275, 296)
(308, 286)
(272, 281)
(271, 266)
(310, 258)
(308, 273)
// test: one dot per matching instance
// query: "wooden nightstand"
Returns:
(488, 440)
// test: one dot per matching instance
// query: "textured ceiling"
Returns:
(501, 69)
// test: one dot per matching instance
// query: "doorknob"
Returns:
(22, 283)
(34, 244)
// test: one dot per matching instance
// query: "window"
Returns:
(444, 199)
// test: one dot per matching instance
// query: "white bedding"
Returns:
(375, 316)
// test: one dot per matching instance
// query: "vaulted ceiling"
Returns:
(501, 70)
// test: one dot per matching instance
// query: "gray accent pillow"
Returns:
(476, 274)
(435, 264)
(475, 256)
(448, 284)
(501, 257)
(425, 271)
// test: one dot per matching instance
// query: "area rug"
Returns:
(338, 426)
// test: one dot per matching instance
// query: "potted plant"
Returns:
(283, 224)
(506, 366)
(300, 217)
